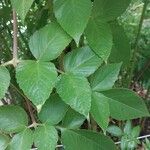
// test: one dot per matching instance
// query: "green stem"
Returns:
(133, 60)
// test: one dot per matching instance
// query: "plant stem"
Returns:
(15, 41)
(133, 60)
(15, 61)
(93, 124)
(138, 138)
(7, 63)
(27, 102)
(30, 111)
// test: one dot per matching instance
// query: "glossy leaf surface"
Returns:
(36, 79)
(105, 77)
(99, 37)
(82, 139)
(48, 43)
(125, 104)
(82, 61)
(53, 110)
(73, 16)
(45, 137)
(22, 7)
(12, 119)
(75, 91)
(22, 140)
(100, 109)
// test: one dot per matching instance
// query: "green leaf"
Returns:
(22, 7)
(109, 10)
(82, 62)
(72, 119)
(48, 43)
(124, 143)
(4, 81)
(82, 139)
(73, 16)
(105, 77)
(121, 50)
(115, 131)
(99, 37)
(76, 92)
(100, 109)
(125, 104)
(136, 131)
(128, 128)
(22, 140)
(45, 137)
(53, 110)
(12, 119)
(4, 140)
(36, 79)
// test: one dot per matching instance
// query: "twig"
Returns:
(33, 125)
(133, 60)
(30, 111)
(15, 41)
(11, 62)
(15, 59)
(27, 102)
(7, 63)
(138, 138)
(60, 71)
